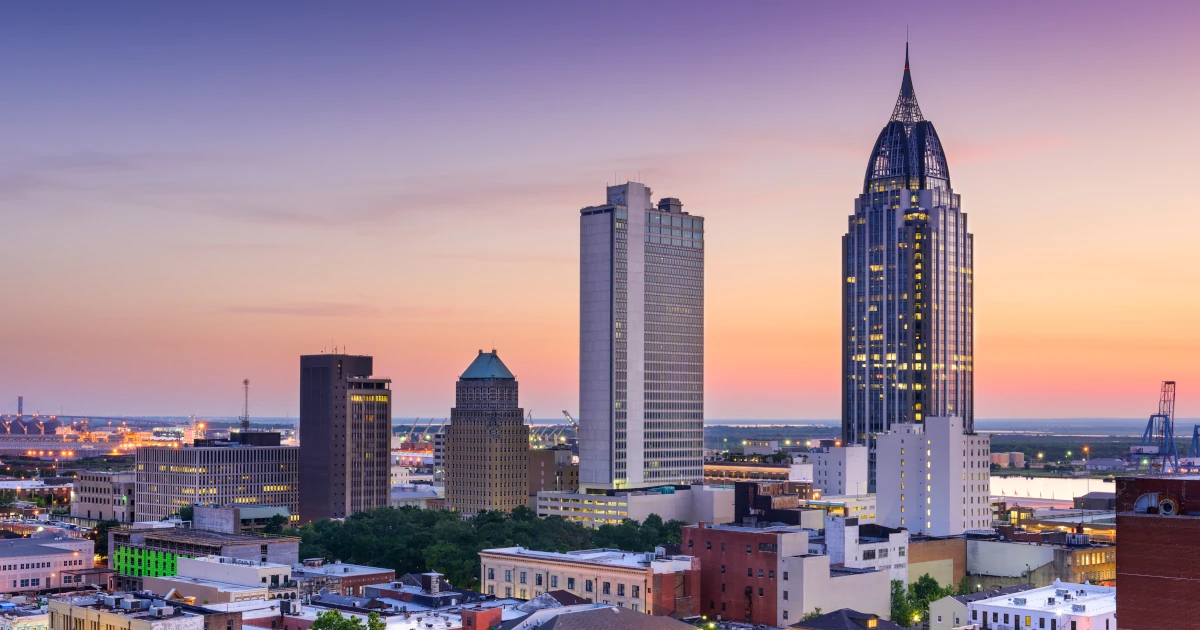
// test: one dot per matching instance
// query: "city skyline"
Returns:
(171, 230)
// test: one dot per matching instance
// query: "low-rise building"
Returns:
(772, 501)
(653, 583)
(767, 575)
(847, 619)
(840, 470)
(994, 563)
(32, 565)
(1060, 606)
(350, 579)
(863, 546)
(413, 495)
(1008, 460)
(860, 506)
(146, 550)
(217, 579)
(104, 496)
(944, 558)
(950, 612)
(691, 504)
(26, 616)
(729, 473)
(126, 612)
(552, 470)
(232, 519)
(1105, 464)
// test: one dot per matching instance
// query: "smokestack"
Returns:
(20, 405)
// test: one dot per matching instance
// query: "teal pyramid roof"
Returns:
(487, 365)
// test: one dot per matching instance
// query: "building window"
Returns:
(553, 581)
(760, 591)
(785, 576)
(587, 586)
(537, 579)
(491, 574)
(607, 586)
(508, 591)
(785, 614)
(570, 584)
(620, 590)
(722, 546)
(637, 591)
(708, 544)
(491, 589)
(747, 548)
(749, 572)
(722, 568)
(760, 573)
(785, 594)
(523, 577)
(508, 575)
(771, 574)
(689, 543)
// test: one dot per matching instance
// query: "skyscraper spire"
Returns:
(907, 110)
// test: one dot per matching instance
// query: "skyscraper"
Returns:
(345, 436)
(487, 441)
(641, 342)
(907, 334)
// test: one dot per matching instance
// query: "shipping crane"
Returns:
(1194, 449)
(1158, 451)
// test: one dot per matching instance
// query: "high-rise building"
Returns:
(934, 478)
(244, 473)
(641, 342)
(907, 327)
(487, 441)
(345, 436)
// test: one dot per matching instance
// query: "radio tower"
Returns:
(245, 417)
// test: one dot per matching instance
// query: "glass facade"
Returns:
(907, 287)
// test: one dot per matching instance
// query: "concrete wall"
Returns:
(944, 559)
(1006, 559)
(868, 592)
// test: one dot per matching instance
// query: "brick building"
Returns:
(767, 575)
(1159, 521)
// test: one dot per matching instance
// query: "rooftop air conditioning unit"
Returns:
(1019, 601)
(1078, 608)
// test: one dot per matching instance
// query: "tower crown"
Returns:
(908, 148)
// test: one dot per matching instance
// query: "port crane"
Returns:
(1158, 451)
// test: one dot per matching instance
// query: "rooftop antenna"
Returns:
(245, 417)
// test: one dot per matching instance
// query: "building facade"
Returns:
(487, 441)
(729, 473)
(33, 565)
(641, 342)
(1159, 521)
(865, 546)
(933, 478)
(907, 296)
(215, 579)
(345, 436)
(691, 504)
(652, 583)
(100, 612)
(768, 576)
(222, 473)
(551, 470)
(1060, 606)
(840, 470)
(104, 496)
(135, 554)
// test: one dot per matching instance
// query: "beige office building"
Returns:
(104, 496)
(487, 441)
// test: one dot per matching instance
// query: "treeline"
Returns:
(413, 540)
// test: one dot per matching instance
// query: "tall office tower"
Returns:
(934, 478)
(487, 441)
(641, 342)
(345, 436)
(907, 334)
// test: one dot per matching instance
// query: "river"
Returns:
(1056, 488)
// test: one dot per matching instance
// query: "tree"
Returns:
(902, 610)
(816, 612)
(100, 536)
(925, 590)
(276, 524)
(375, 622)
(333, 620)
(186, 513)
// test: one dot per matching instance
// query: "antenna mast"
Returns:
(245, 417)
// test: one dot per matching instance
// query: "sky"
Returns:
(193, 194)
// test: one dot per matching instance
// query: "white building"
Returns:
(933, 479)
(694, 504)
(414, 495)
(1062, 606)
(864, 546)
(222, 579)
(840, 470)
(641, 342)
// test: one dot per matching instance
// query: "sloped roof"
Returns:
(845, 619)
(487, 365)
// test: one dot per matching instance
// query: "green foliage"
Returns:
(925, 590)
(816, 612)
(333, 620)
(186, 513)
(375, 622)
(275, 524)
(413, 540)
(100, 536)
(902, 610)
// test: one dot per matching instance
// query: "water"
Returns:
(1055, 488)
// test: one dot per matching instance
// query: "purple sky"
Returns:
(192, 195)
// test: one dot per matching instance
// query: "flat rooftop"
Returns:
(203, 537)
(340, 569)
(97, 603)
(25, 547)
(1061, 598)
(602, 557)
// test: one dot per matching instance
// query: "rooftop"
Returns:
(337, 568)
(996, 592)
(593, 617)
(205, 537)
(846, 619)
(129, 606)
(487, 365)
(602, 557)
(24, 547)
(1061, 598)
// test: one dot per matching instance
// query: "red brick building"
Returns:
(766, 575)
(1158, 569)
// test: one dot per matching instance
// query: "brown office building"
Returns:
(1159, 521)
(551, 470)
(487, 442)
(345, 436)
